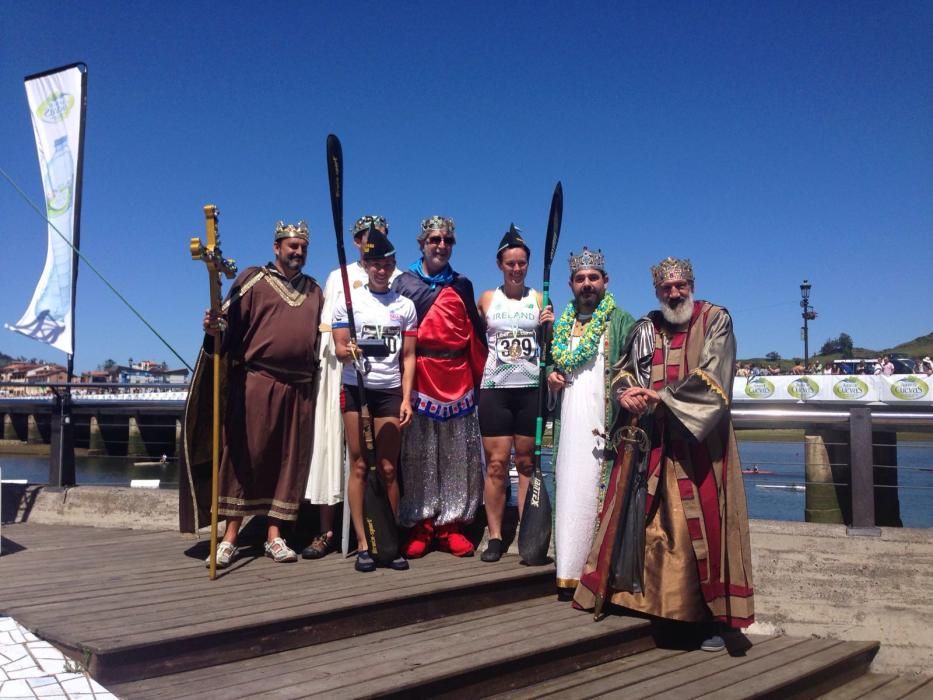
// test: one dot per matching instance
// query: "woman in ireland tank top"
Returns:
(508, 404)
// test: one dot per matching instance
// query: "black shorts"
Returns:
(508, 411)
(383, 403)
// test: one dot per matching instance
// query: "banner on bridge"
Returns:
(818, 388)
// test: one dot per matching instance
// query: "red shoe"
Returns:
(419, 540)
(450, 539)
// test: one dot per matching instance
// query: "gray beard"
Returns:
(680, 315)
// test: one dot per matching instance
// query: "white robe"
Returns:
(578, 466)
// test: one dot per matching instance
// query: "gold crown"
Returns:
(672, 269)
(437, 223)
(299, 230)
(588, 258)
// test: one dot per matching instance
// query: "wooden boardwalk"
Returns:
(136, 608)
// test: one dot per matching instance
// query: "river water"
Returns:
(785, 461)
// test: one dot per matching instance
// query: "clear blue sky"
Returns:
(769, 142)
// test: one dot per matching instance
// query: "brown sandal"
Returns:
(320, 547)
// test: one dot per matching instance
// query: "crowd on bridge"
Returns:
(885, 365)
(650, 511)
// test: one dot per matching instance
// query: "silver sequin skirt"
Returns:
(441, 470)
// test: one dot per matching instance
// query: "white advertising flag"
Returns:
(56, 106)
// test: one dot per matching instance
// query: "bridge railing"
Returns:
(858, 422)
(855, 420)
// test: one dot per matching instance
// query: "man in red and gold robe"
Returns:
(681, 550)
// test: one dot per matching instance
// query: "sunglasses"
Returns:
(437, 240)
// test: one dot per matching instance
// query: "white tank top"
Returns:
(511, 334)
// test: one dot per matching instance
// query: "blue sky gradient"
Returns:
(768, 142)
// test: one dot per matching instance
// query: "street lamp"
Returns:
(808, 315)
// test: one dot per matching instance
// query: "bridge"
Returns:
(853, 419)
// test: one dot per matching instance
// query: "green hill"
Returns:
(918, 347)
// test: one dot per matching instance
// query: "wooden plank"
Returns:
(144, 598)
(226, 675)
(178, 650)
(191, 590)
(561, 685)
(858, 688)
(466, 664)
(906, 687)
(163, 601)
(162, 620)
(823, 668)
(234, 675)
(695, 665)
(340, 663)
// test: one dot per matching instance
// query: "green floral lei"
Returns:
(567, 359)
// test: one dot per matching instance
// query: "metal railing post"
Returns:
(61, 443)
(862, 472)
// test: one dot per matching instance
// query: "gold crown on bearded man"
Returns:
(299, 230)
(588, 258)
(672, 269)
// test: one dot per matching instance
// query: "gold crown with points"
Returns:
(672, 269)
(299, 230)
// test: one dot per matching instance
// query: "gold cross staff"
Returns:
(217, 265)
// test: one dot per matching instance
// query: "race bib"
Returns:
(516, 346)
(390, 334)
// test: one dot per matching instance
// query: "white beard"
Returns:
(680, 315)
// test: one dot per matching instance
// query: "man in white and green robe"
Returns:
(588, 340)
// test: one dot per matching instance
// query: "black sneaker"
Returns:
(493, 550)
(400, 563)
(364, 562)
(565, 595)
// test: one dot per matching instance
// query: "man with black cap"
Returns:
(379, 314)
(268, 335)
(441, 459)
(326, 478)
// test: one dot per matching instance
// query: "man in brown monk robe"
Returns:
(269, 344)
(681, 550)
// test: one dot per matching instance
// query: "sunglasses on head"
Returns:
(437, 239)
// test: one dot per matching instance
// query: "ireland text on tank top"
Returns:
(511, 333)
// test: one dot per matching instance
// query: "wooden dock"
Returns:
(138, 611)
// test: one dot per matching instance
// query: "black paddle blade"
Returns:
(553, 225)
(534, 535)
(335, 180)
(378, 521)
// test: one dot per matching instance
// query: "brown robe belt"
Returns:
(280, 375)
